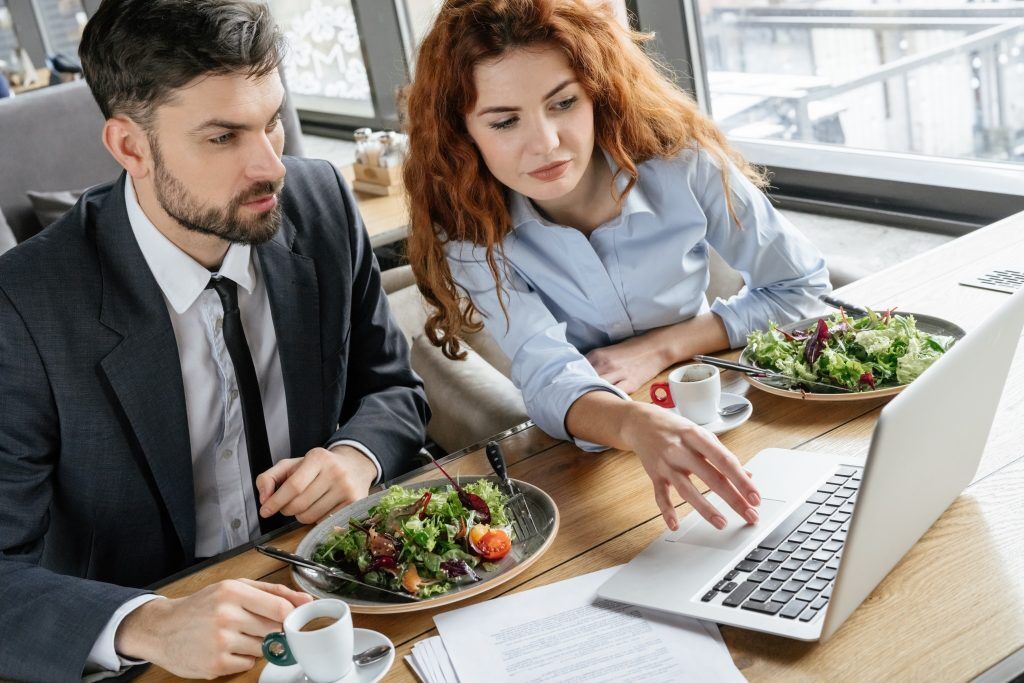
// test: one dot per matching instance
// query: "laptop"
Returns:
(833, 526)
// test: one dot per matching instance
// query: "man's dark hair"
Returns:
(136, 53)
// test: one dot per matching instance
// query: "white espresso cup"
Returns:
(694, 391)
(324, 654)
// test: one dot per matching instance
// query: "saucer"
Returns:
(724, 424)
(363, 638)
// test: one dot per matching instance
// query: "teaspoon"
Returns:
(371, 655)
(734, 409)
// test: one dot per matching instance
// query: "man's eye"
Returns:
(502, 125)
(273, 124)
(223, 139)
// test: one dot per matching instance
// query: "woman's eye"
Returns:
(223, 139)
(502, 125)
(566, 103)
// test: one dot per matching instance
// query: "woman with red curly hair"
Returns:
(565, 191)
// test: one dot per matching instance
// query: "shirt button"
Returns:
(227, 454)
(233, 394)
(235, 523)
(220, 324)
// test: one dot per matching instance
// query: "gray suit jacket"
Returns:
(96, 495)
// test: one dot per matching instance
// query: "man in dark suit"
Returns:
(194, 353)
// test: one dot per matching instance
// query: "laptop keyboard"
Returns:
(791, 572)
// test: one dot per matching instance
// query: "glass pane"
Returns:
(8, 41)
(940, 80)
(324, 64)
(420, 15)
(62, 22)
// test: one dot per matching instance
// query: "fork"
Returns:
(523, 524)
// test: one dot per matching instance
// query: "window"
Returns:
(324, 65)
(906, 108)
(943, 81)
(8, 41)
(62, 22)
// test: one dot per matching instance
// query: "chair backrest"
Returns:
(50, 141)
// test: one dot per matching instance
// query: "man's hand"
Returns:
(311, 487)
(629, 364)
(214, 632)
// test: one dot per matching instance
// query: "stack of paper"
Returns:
(429, 660)
(562, 632)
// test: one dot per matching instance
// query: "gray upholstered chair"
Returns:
(51, 142)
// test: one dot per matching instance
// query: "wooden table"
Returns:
(949, 610)
(386, 217)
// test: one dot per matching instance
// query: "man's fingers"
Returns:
(257, 626)
(328, 503)
(269, 604)
(268, 481)
(290, 594)
(310, 495)
(234, 664)
(298, 479)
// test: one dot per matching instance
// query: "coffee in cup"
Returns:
(318, 623)
(694, 391)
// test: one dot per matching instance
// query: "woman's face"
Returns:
(533, 123)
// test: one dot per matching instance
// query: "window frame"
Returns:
(387, 69)
(951, 196)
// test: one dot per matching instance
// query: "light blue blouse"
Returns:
(567, 293)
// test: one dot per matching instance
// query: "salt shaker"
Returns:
(362, 137)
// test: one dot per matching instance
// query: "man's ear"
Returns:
(128, 144)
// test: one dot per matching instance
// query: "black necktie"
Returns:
(248, 391)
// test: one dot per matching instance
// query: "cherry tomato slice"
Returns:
(494, 545)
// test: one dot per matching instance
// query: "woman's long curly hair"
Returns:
(639, 114)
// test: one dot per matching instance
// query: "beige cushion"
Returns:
(469, 399)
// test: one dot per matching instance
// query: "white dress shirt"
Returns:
(226, 507)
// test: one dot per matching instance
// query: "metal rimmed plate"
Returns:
(925, 323)
(367, 601)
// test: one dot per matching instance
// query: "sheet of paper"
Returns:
(562, 632)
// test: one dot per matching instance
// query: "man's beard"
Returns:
(225, 223)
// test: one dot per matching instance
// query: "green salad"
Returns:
(861, 354)
(423, 541)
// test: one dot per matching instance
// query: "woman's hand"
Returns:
(632, 363)
(671, 449)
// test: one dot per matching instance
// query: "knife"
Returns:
(755, 371)
(333, 572)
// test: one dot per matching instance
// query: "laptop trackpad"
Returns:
(695, 531)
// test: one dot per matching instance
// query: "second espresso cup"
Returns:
(318, 637)
(694, 391)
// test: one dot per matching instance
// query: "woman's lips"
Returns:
(262, 204)
(552, 172)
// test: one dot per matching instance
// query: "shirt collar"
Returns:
(180, 277)
(522, 210)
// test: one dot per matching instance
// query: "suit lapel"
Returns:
(295, 307)
(144, 370)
